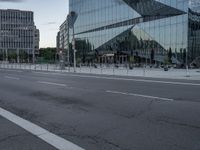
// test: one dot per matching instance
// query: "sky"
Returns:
(48, 16)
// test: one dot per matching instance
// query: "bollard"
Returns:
(113, 70)
(187, 71)
(47, 67)
(127, 70)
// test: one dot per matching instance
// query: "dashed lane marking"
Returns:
(140, 95)
(52, 83)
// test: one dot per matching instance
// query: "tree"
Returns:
(184, 56)
(23, 55)
(83, 48)
(48, 54)
(170, 55)
(152, 56)
(12, 57)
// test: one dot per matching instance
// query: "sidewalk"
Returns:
(193, 74)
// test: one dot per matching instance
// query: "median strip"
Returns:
(43, 134)
(140, 95)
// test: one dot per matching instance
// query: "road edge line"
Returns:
(43, 134)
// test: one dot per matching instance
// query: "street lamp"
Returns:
(71, 19)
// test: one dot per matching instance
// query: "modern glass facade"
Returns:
(194, 29)
(137, 28)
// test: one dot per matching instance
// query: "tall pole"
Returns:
(72, 19)
(187, 50)
(34, 44)
(63, 54)
(146, 51)
(33, 56)
(186, 61)
(68, 60)
(146, 58)
(74, 49)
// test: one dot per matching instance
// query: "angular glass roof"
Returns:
(153, 8)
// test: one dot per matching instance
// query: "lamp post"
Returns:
(186, 62)
(71, 19)
(74, 49)
(68, 47)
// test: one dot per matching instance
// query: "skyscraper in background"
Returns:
(19, 36)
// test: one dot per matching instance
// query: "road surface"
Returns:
(96, 112)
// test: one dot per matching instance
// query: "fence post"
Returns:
(113, 69)
(144, 70)
(127, 67)
(90, 68)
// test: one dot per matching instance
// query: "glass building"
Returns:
(162, 30)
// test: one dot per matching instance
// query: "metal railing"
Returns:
(105, 69)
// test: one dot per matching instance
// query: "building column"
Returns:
(28, 54)
(6, 55)
(3, 54)
(33, 57)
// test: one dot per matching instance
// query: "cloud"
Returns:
(12, 1)
(50, 23)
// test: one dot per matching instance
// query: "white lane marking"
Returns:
(49, 73)
(41, 133)
(52, 83)
(10, 77)
(140, 95)
(123, 79)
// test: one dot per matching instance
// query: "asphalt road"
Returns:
(101, 112)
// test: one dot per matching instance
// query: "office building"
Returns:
(18, 35)
(114, 31)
